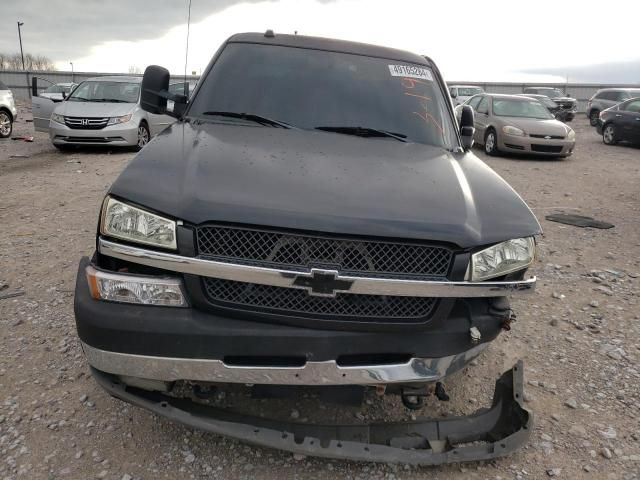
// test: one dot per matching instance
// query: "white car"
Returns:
(8, 111)
(58, 91)
(462, 93)
(99, 111)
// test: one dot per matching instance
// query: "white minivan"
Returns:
(99, 111)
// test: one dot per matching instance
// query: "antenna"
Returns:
(186, 53)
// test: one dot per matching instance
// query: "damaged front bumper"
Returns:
(486, 434)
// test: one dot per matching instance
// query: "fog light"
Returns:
(140, 289)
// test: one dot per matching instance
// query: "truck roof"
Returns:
(319, 43)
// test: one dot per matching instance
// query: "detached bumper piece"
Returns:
(484, 435)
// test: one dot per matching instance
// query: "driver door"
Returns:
(41, 107)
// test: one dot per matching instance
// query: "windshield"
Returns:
(309, 89)
(55, 89)
(503, 107)
(551, 93)
(106, 91)
(469, 92)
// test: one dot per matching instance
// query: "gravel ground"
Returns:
(579, 336)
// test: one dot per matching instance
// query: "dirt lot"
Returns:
(579, 336)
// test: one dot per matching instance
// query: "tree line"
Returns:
(13, 61)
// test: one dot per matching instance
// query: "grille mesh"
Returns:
(289, 250)
(344, 306)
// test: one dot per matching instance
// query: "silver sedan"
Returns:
(516, 124)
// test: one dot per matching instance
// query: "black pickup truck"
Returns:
(567, 105)
(315, 218)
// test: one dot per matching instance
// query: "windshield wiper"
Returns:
(110, 100)
(364, 132)
(251, 117)
(82, 99)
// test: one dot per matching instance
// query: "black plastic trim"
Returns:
(484, 435)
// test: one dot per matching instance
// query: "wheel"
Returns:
(6, 124)
(491, 142)
(593, 117)
(143, 136)
(609, 134)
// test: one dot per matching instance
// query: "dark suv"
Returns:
(315, 218)
(568, 105)
(607, 98)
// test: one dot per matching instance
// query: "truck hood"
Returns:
(324, 182)
(94, 109)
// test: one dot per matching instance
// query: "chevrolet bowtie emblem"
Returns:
(322, 283)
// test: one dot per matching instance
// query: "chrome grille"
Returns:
(550, 137)
(286, 250)
(344, 306)
(86, 123)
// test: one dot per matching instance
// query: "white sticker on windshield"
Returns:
(409, 71)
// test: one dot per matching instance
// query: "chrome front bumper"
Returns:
(296, 279)
(487, 434)
(416, 370)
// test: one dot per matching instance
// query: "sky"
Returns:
(492, 40)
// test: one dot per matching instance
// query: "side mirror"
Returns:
(155, 93)
(453, 95)
(467, 128)
(155, 86)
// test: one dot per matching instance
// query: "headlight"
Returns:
(121, 220)
(509, 130)
(57, 118)
(503, 258)
(571, 135)
(116, 120)
(141, 289)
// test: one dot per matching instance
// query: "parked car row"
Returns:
(614, 111)
(607, 98)
(518, 124)
(562, 106)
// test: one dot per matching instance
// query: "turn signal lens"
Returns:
(143, 290)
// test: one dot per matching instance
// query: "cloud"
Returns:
(64, 30)
(493, 41)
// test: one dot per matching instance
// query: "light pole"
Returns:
(72, 79)
(20, 38)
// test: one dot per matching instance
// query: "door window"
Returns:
(474, 101)
(632, 106)
(621, 96)
(484, 106)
